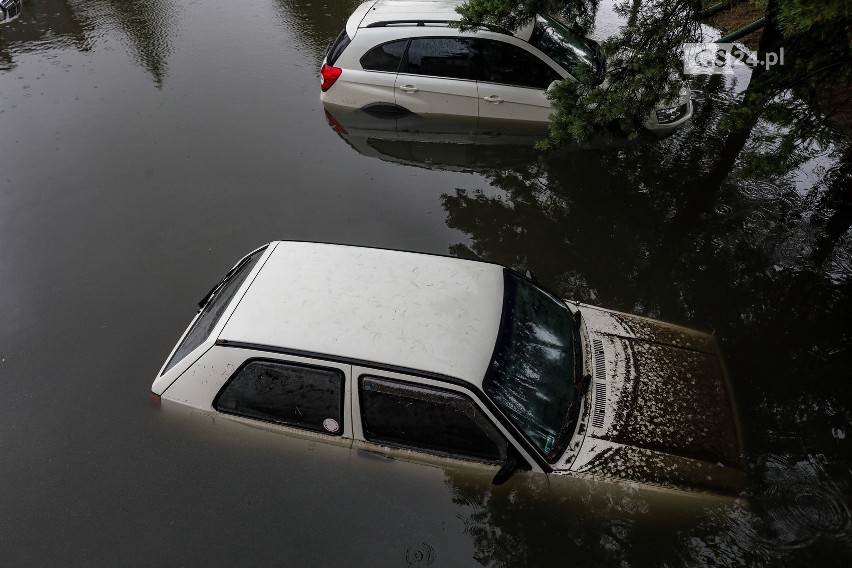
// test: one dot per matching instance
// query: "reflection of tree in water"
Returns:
(315, 22)
(52, 23)
(696, 229)
(147, 25)
(576, 522)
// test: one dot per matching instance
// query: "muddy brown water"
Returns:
(145, 146)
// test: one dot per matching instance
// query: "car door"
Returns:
(512, 84)
(406, 417)
(434, 83)
(370, 90)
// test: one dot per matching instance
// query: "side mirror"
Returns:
(531, 276)
(506, 471)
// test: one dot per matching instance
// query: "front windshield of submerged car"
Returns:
(573, 53)
(531, 378)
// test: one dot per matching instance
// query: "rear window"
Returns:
(337, 47)
(216, 302)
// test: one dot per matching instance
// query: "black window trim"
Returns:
(251, 360)
(516, 435)
(484, 422)
(404, 58)
(398, 65)
(555, 66)
(536, 55)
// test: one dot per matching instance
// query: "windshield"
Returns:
(575, 54)
(532, 375)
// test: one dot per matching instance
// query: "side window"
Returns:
(385, 57)
(295, 395)
(438, 57)
(511, 65)
(433, 420)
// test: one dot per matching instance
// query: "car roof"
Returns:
(429, 313)
(410, 11)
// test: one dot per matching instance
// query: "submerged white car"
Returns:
(406, 57)
(430, 357)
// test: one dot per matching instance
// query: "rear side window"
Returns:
(213, 306)
(296, 395)
(385, 57)
(432, 420)
(509, 64)
(439, 57)
(337, 47)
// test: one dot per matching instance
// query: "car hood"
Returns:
(660, 407)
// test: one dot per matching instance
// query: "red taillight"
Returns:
(329, 76)
(154, 400)
(336, 126)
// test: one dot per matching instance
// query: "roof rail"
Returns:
(406, 22)
(422, 23)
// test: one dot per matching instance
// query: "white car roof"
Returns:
(375, 11)
(428, 313)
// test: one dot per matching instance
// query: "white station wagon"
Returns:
(431, 358)
(406, 57)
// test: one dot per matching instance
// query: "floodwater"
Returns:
(145, 146)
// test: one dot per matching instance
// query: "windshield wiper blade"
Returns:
(581, 385)
(207, 297)
(581, 381)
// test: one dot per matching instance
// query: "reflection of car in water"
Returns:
(9, 10)
(408, 56)
(446, 144)
(426, 358)
(413, 140)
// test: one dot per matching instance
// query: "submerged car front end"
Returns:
(669, 116)
(660, 406)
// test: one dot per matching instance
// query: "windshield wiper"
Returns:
(581, 381)
(209, 296)
(581, 386)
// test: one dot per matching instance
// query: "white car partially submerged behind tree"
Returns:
(409, 57)
(428, 357)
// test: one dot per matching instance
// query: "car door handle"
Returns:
(492, 99)
(408, 88)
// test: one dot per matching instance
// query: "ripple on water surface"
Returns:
(760, 190)
(802, 504)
